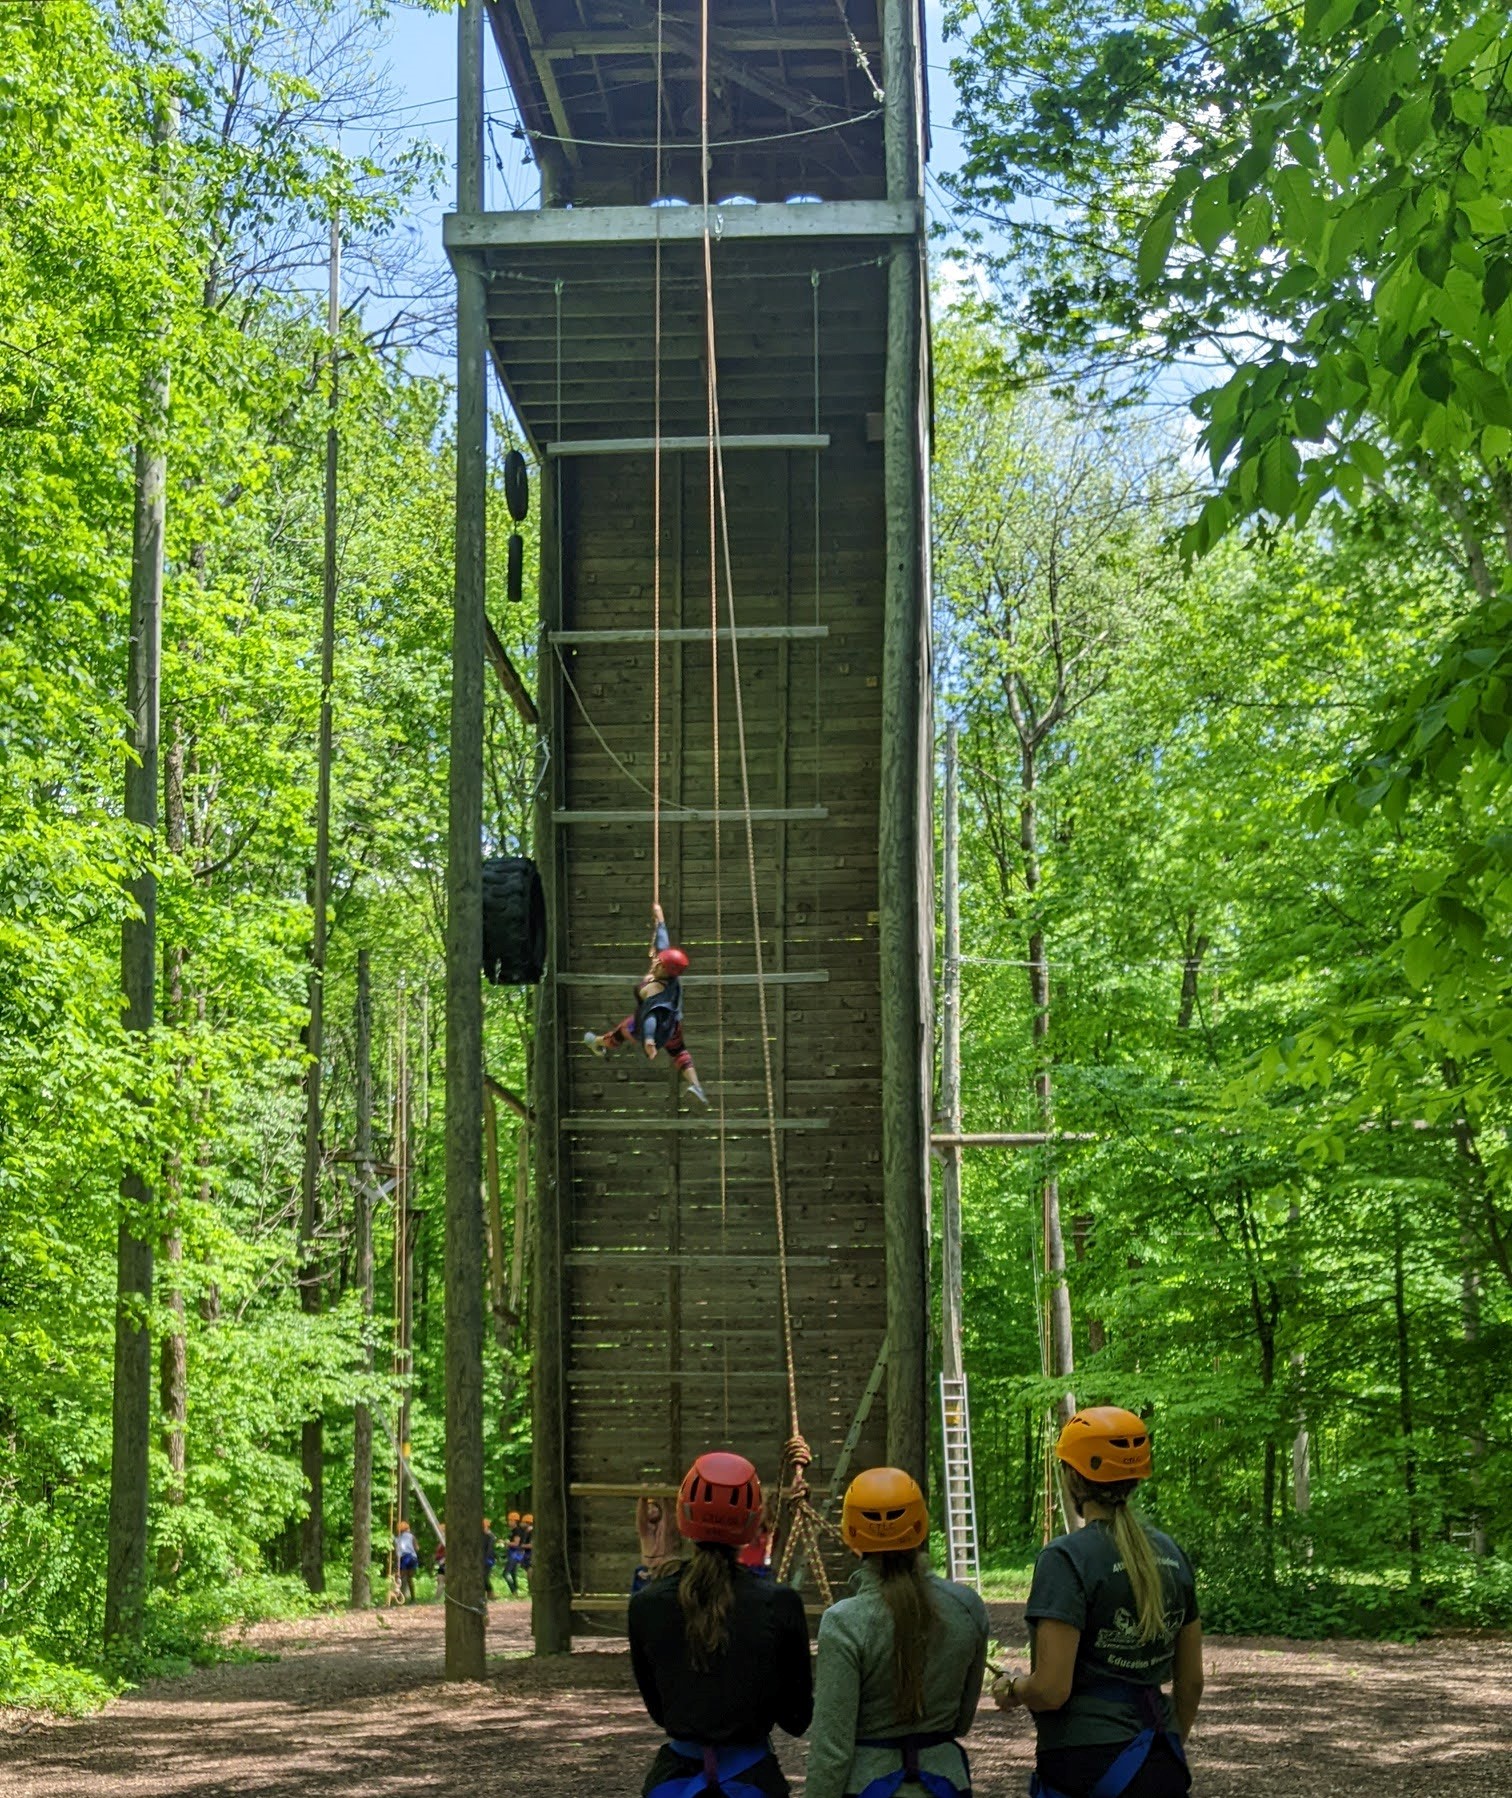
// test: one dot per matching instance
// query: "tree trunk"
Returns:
(131, 1401)
(1404, 1392)
(312, 1438)
(173, 1363)
(362, 1421)
(1058, 1297)
(1193, 950)
(1081, 1240)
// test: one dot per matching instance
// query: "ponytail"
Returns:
(1132, 1541)
(905, 1591)
(706, 1594)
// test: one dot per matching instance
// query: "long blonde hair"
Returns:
(1131, 1537)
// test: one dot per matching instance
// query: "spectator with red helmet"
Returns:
(721, 1657)
(1113, 1615)
(901, 1660)
(656, 1022)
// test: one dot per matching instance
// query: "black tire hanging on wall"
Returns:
(514, 921)
(516, 486)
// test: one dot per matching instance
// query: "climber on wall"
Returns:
(656, 1022)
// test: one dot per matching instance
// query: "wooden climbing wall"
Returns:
(674, 1336)
(657, 1297)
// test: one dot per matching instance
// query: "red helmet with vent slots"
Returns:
(673, 960)
(720, 1501)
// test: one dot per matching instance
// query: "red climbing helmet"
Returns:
(673, 960)
(720, 1501)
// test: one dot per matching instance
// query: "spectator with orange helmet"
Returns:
(1113, 1616)
(656, 1022)
(515, 1552)
(901, 1661)
(721, 1657)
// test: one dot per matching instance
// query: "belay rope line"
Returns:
(805, 1524)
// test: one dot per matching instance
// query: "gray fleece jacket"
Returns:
(853, 1693)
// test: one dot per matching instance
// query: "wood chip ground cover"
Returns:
(357, 1706)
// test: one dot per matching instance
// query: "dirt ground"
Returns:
(357, 1706)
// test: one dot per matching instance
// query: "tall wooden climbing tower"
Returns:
(658, 1257)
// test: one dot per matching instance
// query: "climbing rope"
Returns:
(656, 497)
(805, 1524)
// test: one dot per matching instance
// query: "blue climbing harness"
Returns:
(720, 1776)
(1118, 1777)
(910, 1772)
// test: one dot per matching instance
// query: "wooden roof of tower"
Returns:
(795, 105)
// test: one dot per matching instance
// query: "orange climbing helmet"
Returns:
(720, 1501)
(884, 1512)
(529, 1517)
(514, 1517)
(1106, 1445)
(675, 961)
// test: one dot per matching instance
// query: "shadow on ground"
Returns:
(358, 1706)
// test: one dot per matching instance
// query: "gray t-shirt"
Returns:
(1080, 1580)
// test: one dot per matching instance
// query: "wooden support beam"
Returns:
(525, 11)
(730, 814)
(1007, 1139)
(464, 913)
(602, 1489)
(643, 446)
(903, 813)
(807, 977)
(795, 102)
(745, 633)
(497, 1090)
(776, 40)
(509, 676)
(744, 1123)
(551, 1582)
(659, 1258)
(592, 226)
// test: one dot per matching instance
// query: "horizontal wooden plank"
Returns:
(697, 815)
(810, 977)
(559, 228)
(706, 1122)
(748, 633)
(631, 446)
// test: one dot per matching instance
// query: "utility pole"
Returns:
(312, 1438)
(950, 1072)
(362, 1418)
(131, 1399)
(465, 1618)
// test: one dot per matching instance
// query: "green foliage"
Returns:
(1230, 1018)
(30, 1682)
(118, 251)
